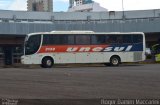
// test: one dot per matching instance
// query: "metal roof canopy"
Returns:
(11, 35)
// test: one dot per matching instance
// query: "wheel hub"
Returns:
(115, 61)
(49, 62)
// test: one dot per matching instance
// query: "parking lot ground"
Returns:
(131, 81)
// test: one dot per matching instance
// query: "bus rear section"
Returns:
(108, 48)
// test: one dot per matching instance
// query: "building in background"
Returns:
(40, 5)
(14, 25)
(78, 2)
(85, 6)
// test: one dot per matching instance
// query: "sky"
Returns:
(111, 5)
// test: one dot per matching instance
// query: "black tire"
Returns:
(115, 61)
(47, 62)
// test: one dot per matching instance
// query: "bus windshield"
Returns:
(32, 44)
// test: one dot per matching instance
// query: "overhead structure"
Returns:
(85, 6)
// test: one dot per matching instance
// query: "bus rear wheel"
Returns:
(115, 61)
(47, 62)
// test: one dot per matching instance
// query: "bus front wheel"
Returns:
(47, 62)
(115, 61)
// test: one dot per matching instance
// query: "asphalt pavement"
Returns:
(131, 81)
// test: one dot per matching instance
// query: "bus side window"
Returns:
(62, 39)
(47, 39)
(119, 39)
(137, 39)
(127, 39)
(98, 39)
(58, 39)
(113, 39)
(71, 39)
(108, 39)
(82, 39)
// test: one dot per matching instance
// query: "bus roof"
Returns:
(83, 32)
(63, 32)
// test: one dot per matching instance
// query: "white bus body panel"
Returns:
(84, 57)
(63, 58)
(96, 57)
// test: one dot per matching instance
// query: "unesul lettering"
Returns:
(98, 49)
(93, 49)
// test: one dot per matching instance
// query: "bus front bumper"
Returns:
(25, 60)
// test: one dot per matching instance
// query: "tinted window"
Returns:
(82, 39)
(116, 39)
(120, 39)
(106, 39)
(71, 39)
(98, 39)
(137, 38)
(113, 39)
(91, 39)
(58, 39)
(33, 44)
(127, 39)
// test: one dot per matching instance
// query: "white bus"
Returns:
(62, 47)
